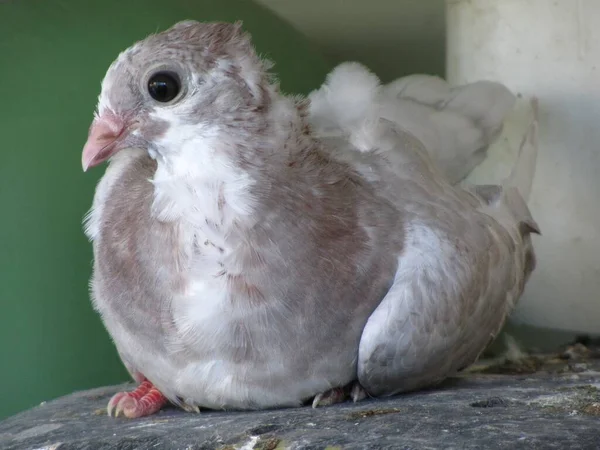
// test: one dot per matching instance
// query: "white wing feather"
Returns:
(455, 124)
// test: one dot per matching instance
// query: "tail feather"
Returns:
(517, 187)
(513, 193)
(523, 171)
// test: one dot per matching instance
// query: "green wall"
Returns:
(53, 55)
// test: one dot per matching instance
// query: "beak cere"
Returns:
(103, 140)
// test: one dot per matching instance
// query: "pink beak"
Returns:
(102, 140)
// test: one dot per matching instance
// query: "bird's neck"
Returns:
(219, 178)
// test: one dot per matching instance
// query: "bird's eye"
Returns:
(164, 86)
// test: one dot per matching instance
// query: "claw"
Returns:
(127, 406)
(114, 401)
(317, 400)
(329, 397)
(338, 395)
(191, 408)
(358, 393)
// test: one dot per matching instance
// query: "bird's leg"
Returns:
(338, 395)
(143, 401)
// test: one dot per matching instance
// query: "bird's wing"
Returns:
(455, 124)
(447, 302)
(467, 258)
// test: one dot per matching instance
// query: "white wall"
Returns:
(393, 37)
(550, 50)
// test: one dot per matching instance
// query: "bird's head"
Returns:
(194, 78)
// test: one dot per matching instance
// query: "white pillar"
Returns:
(550, 49)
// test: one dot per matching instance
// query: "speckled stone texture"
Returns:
(548, 402)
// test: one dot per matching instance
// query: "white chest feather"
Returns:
(200, 188)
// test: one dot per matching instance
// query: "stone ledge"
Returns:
(489, 407)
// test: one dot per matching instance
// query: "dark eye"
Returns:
(164, 86)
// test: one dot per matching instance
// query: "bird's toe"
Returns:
(145, 400)
(352, 391)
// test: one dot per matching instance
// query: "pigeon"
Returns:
(243, 262)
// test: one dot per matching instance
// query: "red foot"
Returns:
(143, 401)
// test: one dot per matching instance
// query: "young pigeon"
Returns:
(242, 263)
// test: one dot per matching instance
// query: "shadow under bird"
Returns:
(255, 250)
